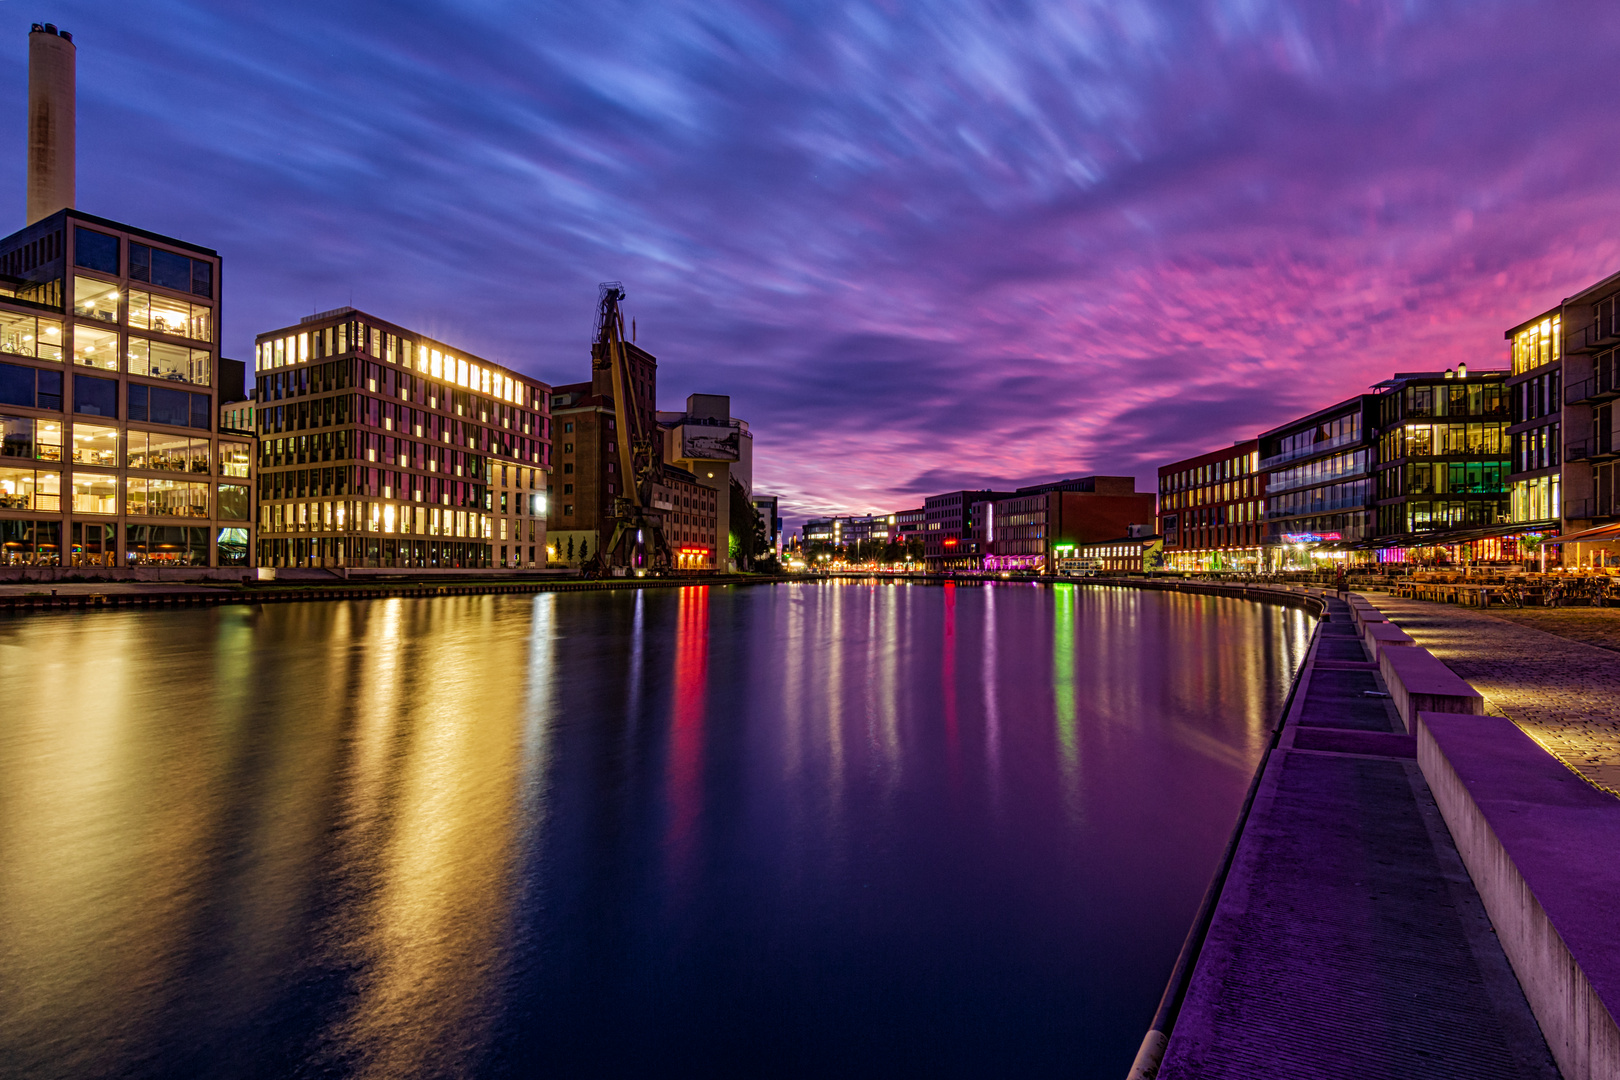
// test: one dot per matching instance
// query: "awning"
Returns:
(1452, 536)
(1602, 532)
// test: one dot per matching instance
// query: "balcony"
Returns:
(1588, 510)
(1590, 391)
(1310, 451)
(1596, 335)
(1602, 449)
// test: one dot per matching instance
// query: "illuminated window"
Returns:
(94, 299)
(95, 348)
(160, 360)
(95, 493)
(26, 335)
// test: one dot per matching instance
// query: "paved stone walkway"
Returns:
(1349, 942)
(1564, 693)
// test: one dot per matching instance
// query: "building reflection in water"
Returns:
(443, 837)
(687, 717)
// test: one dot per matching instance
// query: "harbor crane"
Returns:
(636, 530)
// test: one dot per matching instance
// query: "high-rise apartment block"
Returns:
(382, 447)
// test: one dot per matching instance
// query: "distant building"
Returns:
(714, 448)
(1121, 555)
(910, 524)
(951, 529)
(847, 530)
(1212, 510)
(769, 512)
(1042, 527)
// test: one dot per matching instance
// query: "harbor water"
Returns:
(833, 829)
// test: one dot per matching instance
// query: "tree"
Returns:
(584, 549)
(570, 549)
(745, 530)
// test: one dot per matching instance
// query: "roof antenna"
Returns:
(632, 330)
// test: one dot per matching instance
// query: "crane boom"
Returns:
(638, 457)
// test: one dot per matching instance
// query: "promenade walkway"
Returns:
(1349, 941)
(1563, 693)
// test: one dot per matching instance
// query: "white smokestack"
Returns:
(51, 77)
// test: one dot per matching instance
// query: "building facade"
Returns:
(766, 506)
(109, 368)
(382, 447)
(951, 529)
(1319, 482)
(714, 449)
(1041, 528)
(1536, 449)
(1212, 510)
(1442, 466)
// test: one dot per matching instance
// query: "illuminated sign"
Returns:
(1309, 538)
(950, 541)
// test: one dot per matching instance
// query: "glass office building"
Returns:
(110, 454)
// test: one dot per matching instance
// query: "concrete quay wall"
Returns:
(1529, 829)
(1373, 919)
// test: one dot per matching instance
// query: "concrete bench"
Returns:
(1419, 682)
(1381, 635)
(1539, 843)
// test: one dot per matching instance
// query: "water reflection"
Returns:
(859, 829)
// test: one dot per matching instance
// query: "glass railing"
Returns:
(1273, 484)
(1350, 503)
(1311, 450)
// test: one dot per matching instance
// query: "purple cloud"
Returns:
(922, 245)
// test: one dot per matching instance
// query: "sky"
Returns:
(922, 245)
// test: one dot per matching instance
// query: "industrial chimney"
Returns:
(50, 121)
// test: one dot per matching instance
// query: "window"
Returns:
(24, 437)
(166, 545)
(157, 451)
(166, 315)
(160, 405)
(232, 546)
(95, 397)
(568, 427)
(95, 251)
(170, 270)
(568, 448)
(94, 299)
(234, 503)
(234, 458)
(30, 387)
(95, 493)
(26, 335)
(95, 348)
(95, 445)
(568, 489)
(568, 466)
(568, 509)
(167, 498)
(30, 489)
(176, 363)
